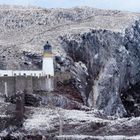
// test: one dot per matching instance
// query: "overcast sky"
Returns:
(128, 5)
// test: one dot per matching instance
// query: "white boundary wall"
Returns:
(48, 70)
(6, 73)
(28, 73)
(21, 73)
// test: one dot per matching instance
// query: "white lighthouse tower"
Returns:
(48, 67)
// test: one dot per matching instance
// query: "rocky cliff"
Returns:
(110, 65)
(99, 48)
(103, 47)
(27, 29)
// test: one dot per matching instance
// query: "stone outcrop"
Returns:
(26, 29)
(97, 53)
(99, 47)
(105, 65)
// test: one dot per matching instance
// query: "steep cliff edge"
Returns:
(99, 47)
(110, 65)
(26, 29)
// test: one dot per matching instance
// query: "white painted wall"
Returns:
(48, 67)
(6, 73)
(47, 70)
(28, 73)
(20, 73)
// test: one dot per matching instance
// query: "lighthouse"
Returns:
(29, 81)
(48, 67)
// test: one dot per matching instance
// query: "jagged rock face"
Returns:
(130, 93)
(104, 63)
(28, 29)
(99, 48)
(112, 63)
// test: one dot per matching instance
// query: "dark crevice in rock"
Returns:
(131, 100)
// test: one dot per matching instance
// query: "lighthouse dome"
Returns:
(47, 47)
